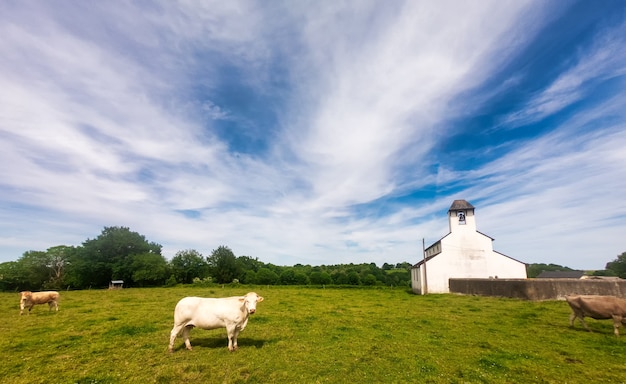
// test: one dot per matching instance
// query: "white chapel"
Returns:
(463, 253)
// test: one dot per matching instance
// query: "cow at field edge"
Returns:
(231, 313)
(28, 299)
(599, 308)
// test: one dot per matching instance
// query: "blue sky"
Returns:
(315, 132)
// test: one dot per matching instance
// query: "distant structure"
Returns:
(462, 253)
(116, 284)
(561, 275)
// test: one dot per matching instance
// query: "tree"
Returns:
(109, 257)
(618, 266)
(58, 260)
(249, 277)
(288, 277)
(223, 265)
(189, 264)
(301, 278)
(247, 263)
(369, 279)
(533, 270)
(353, 278)
(340, 278)
(11, 276)
(266, 276)
(33, 267)
(149, 269)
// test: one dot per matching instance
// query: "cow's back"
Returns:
(44, 297)
(597, 307)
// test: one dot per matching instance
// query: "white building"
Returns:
(462, 253)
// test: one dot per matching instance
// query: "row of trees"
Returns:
(121, 254)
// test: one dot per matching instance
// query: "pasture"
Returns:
(307, 335)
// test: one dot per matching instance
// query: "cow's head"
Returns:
(25, 295)
(249, 301)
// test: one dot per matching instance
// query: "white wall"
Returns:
(466, 254)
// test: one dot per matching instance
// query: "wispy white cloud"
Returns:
(109, 116)
(605, 59)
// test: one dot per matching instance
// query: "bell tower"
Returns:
(461, 217)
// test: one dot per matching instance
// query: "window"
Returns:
(461, 216)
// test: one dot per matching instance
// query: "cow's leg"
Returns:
(617, 322)
(572, 317)
(582, 320)
(173, 335)
(232, 337)
(186, 336)
(235, 336)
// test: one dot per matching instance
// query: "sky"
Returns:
(315, 132)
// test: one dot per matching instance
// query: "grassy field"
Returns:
(307, 335)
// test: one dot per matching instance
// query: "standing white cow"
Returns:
(28, 299)
(210, 313)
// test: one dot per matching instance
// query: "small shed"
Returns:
(116, 284)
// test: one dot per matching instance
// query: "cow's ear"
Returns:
(242, 299)
(259, 299)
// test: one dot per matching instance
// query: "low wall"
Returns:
(538, 289)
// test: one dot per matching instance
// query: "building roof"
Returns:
(458, 205)
(561, 275)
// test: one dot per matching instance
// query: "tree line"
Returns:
(121, 254)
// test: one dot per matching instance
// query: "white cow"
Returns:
(28, 299)
(209, 313)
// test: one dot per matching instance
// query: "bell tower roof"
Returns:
(460, 205)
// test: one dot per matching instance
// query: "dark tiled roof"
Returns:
(460, 205)
(561, 275)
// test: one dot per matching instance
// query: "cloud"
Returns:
(309, 137)
(603, 60)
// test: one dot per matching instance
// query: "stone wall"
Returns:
(538, 289)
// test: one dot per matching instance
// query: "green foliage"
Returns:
(618, 266)
(533, 270)
(189, 264)
(603, 272)
(110, 256)
(223, 265)
(171, 281)
(34, 267)
(58, 259)
(307, 335)
(320, 278)
(149, 270)
(265, 276)
(12, 276)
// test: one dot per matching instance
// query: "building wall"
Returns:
(462, 253)
(465, 254)
(469, 255)
(538, 289)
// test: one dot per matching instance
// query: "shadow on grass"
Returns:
(222, 342)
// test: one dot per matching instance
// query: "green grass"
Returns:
(307, 335)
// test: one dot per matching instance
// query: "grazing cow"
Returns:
(599, 308)
(28, 299)
(209, 313)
